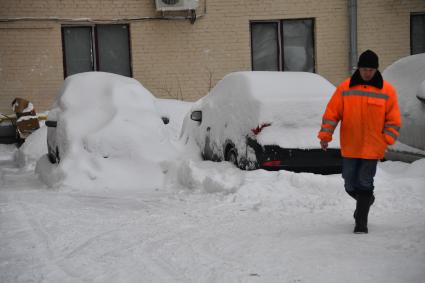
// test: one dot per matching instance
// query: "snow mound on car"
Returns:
(407, 75)
(109, 133)
(293, 102)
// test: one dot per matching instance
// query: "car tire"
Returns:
(53, 156)
(232, 157)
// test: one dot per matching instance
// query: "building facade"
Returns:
(182, 54)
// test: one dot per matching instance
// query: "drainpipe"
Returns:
(352, 10)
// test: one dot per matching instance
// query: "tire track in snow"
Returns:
(42, 238)
(29, 234)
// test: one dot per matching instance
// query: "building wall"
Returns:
(175, 59)
(384, 26)
(30, 63)
(183, 60)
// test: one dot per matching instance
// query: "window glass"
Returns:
(298, 50)
(418, 33)
(77, 50)
(264, 41)
(113, 49)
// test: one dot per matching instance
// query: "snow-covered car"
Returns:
(104, 130)
(407, 75)
(266, 120)
(96, 102)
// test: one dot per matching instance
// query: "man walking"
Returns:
(370, 119)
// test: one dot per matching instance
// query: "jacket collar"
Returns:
(377, 80)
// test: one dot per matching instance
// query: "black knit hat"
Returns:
(368, 59)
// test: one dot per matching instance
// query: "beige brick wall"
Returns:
(95, 9)
(176, 59)
(30, 63)
(384, 26)
(180, 59)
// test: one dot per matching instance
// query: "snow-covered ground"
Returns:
(191, 220)
(208, 222)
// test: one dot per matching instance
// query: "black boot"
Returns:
(362, 212)
(353, 194)
(372, 200)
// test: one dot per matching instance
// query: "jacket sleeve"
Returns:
(332, 116)
(392, 119)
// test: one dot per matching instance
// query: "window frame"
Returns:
(280, 42)
(411, 29)
(94, 45)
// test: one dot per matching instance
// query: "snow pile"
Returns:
(7, 152)
(416, 169)
(287, 191)
(259, 189)
(209, 177)
(34, 147)
(407, 75)
(109, 135)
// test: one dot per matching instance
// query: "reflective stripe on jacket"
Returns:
(370, 119)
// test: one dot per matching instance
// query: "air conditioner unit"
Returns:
(176, 5)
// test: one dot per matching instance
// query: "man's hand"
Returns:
(324, 144)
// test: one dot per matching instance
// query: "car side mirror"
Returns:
(52, 124)
(421, 99)
(196, 116)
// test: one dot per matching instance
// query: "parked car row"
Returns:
(255, 120)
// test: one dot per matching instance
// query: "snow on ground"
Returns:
(206, 222)
(211, 222)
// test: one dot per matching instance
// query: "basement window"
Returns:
(283, 45)
(417, 33)
(103, 48)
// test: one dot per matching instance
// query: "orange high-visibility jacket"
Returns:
(370, 119)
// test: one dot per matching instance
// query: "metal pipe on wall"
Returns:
(352, 11)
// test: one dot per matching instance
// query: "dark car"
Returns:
(266, 120)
